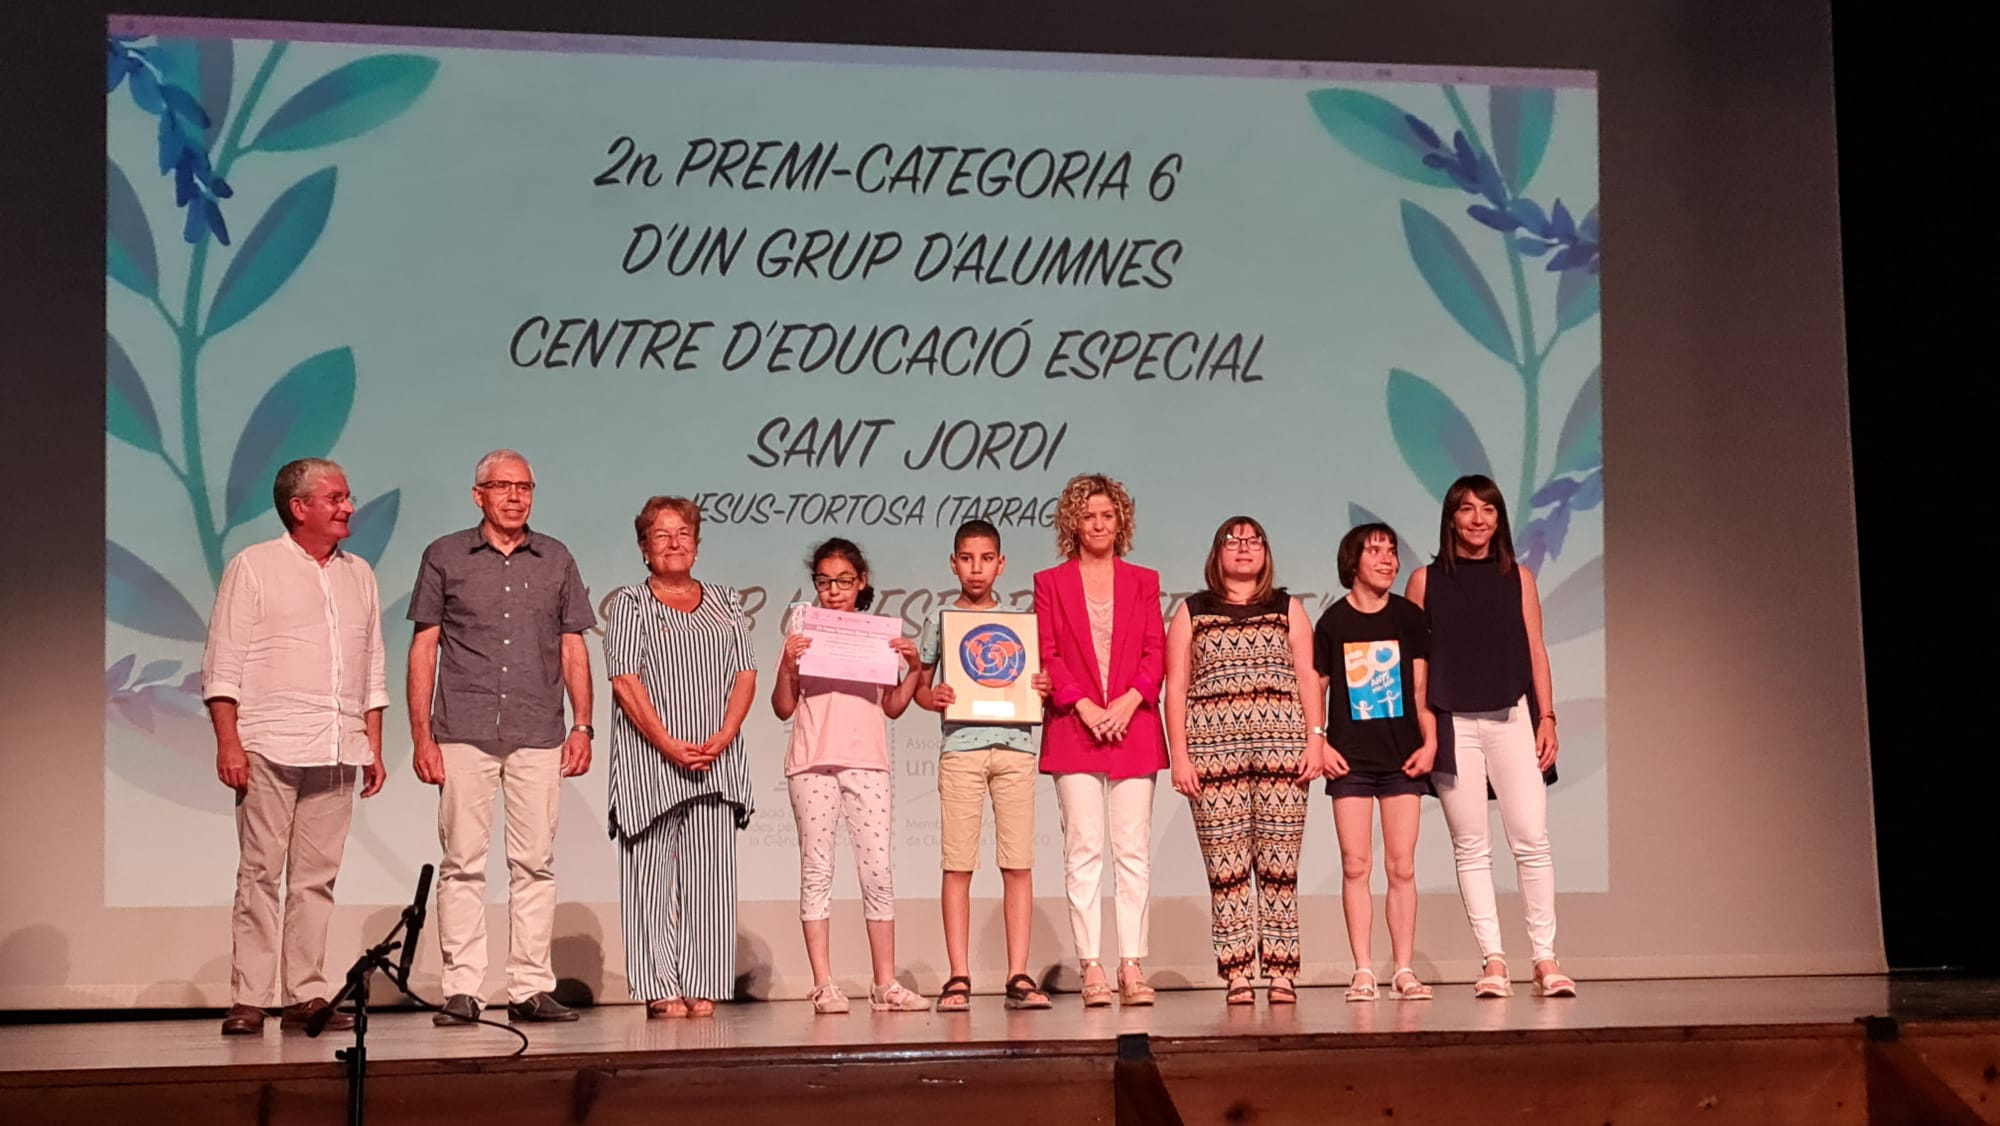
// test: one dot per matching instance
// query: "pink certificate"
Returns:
(849, 646)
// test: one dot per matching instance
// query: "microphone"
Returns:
(414, 917)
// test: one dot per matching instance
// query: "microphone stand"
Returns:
(402, 936)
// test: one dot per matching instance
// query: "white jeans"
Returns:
(1096, 811)
(1500, 747)
(530, 782)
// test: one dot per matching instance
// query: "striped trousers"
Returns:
(678, 891)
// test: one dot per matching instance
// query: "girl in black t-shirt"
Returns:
(1380, 744)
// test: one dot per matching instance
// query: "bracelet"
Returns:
(1319, 731)
(1550, 716)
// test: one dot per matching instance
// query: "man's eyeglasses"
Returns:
(828, 582)
(525, 488)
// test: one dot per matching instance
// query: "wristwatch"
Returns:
(589, 732)
(1319, 731)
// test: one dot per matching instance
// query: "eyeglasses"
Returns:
(1234, 540)
(827, 582)
(525, 488)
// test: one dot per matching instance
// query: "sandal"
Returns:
(1359, 990)
(1023, 993)
(1553, 982)
(700, 1007)
(666, 1008)
(1281, 991)
(827, 998)
(1414, 990)
(1493, 984)
(956, 996)
(1096, 994)
(895, 998)
(1240, 992)
(1131, 992)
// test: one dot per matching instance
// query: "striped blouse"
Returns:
(688, 664)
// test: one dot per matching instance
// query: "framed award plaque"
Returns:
(990, 657)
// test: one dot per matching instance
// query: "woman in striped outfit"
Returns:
(682, 677)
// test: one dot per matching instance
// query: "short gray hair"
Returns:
(496, 457)
(297, 478)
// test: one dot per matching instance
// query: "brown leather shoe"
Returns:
(243, 1020)
(296, 1016)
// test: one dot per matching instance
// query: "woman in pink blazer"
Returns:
(1103, 648)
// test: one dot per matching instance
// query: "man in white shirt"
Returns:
(293, 679)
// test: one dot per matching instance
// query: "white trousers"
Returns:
(1097, 811)
(530, 783)
(1499, 747)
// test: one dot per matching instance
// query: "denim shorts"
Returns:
(1371, 784)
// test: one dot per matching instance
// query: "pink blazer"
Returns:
(1138, 660)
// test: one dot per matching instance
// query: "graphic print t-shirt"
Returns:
(1367, 660)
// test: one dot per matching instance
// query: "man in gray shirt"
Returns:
(500, 612)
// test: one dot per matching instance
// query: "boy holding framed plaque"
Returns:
(988, 751)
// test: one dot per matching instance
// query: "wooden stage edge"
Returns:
(1753, 1050)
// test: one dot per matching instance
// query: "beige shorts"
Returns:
(965, 778)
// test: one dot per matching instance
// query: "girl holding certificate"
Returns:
(837, 771)
(1103, 646)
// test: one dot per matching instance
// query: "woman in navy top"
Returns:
(1489, 686)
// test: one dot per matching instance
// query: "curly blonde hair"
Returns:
(1076, 497)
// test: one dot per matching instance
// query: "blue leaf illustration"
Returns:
(1378, 131)
(1576, 297)
(301, 416)
(1456, 280)
(276, 245)
(156, 671)
(1436, 440)
(1556, 491)
(138, 597)
(129, 256)
(1572, 257)
(1561, 223)
(119, 675)
(1531, 216)
(128, 406)
(1522, 119)
(1424, 132)
(1575, 608)
(1492, 217)
(206, 67)
(146, 90)
(1532, 247)
(1580, 442)
(370, 528)
(1586, 229)
(347, 102)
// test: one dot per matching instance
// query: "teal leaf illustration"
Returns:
(395, 619)
(1378, 131)
(207, 68)
(1576, 298)
(138, 597)
(370, 528)
(129, 256)
(1522, 118)
(1455, 278)
(1580, 442)
(284, 235)
(301, 416)
(347, 102)
(1437, 441)
(1575, 608)
(128, 407)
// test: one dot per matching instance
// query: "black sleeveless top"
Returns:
(1479, 642)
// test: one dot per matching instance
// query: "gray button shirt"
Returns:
(501, 619)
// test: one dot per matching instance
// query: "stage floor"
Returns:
(790, 1029)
